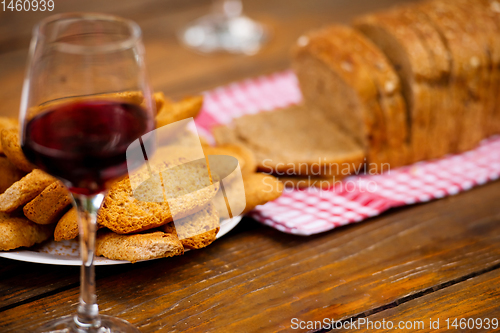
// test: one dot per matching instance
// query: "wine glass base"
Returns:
(67, 325)
(217, 32)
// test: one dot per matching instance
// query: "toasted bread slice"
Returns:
(18, 232)
(144, 246)
(198, 230)
(179, 192)
(261, 188)
(48, 206)
(245, 157)
(67, 227)
(24, 190)
(169, 112)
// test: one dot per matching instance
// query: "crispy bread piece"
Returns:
(9, 174)
(144, 246)
(20, 232)
(261, 188)
(198, 230)
(24, 190)
(67, 227)
(245, 157)
(8, 124)
(181, 187)
(12, 149)
(49, 205)
(169, 113)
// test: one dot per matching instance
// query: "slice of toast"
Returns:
(143, 246)
(48, 206)
(18, 232)
(198, 230)
(24, 190)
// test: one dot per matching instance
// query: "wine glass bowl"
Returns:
(85, 99)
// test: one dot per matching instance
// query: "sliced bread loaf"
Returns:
(336, 84)
(404, 48)
(467, 75)
(395, 122)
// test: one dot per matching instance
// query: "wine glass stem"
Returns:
(87, 317)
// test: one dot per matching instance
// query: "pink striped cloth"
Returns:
(310, 211)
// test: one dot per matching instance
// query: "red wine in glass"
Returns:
(85, 143)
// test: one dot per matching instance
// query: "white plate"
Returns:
(67, 253)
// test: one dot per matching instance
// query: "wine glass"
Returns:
(85, 100)
(225, 29)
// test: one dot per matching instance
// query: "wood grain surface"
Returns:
(436, 259)
(473, 303)
(257, 279)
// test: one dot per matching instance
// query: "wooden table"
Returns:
(435, 260)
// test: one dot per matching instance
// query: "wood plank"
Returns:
(260, 279)
(475, 298)
(173, 68)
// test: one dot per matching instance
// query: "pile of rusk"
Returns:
(35, 206)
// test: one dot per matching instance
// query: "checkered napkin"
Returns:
(310, 211)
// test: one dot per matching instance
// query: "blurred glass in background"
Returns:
(225, 29)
